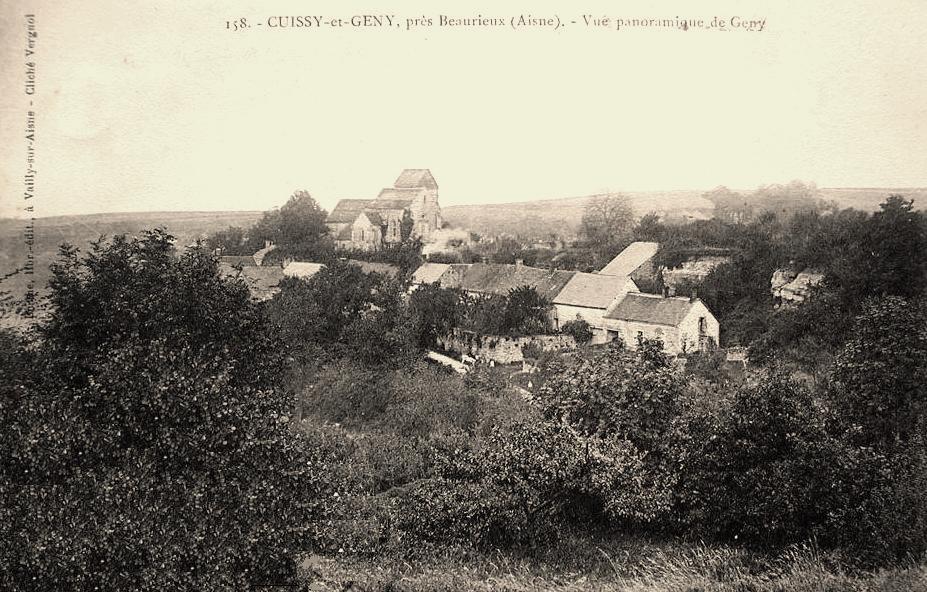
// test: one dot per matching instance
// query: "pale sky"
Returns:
(160, 107)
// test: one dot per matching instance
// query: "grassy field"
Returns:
(631, 565)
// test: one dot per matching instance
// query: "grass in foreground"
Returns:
(631, 565)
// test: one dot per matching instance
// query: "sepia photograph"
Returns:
(430, 296)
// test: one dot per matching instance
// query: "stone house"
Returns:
(369, 224)
(587, 296)
(683, 324)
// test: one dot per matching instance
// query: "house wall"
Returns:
(566, 313)
(628, 331)
(688, 328)
(365, 235)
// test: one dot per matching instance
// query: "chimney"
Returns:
(694, 295)
(519, 262)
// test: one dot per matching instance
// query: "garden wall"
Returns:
(502, 349)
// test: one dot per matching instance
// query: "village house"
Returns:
(262, 282)
(238, 260)
(635, 262)
(302, 269)
(682, 324)
(369, 224)
(587, 296)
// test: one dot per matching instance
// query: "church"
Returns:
(369, 224)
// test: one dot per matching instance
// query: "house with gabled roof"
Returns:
(635, 261)
(682, 324)
(262, 282)
(486, 279)
(369, 224)
(587, 296)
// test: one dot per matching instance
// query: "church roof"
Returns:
(416, 178)
(632, 257)
(592, 290)
(396, 198)
(347, 210)
(374, 217)
(651, 308)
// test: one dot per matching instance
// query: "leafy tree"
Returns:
(525, 311)
(759, 472)
(631, 395)
(231, 241)
(405, 226)
(434, 312)
(579, 329)
(149, 446)
(879, 385)
(340, 311)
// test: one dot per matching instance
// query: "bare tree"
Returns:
(607, 219)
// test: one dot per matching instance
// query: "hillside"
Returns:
(562, 216)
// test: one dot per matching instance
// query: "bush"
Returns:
(579, 330)
(149, 446)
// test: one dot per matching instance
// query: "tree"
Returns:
(525, 311)
(879, 385)
(607, 223)
(760, 471)
(340, 311)
(406, 225)
(579, 329)
(230, 241)
(148, 447)
(631, 395)
(434, 312)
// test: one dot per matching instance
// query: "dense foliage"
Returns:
(146, 441)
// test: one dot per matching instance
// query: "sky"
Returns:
(161, 107)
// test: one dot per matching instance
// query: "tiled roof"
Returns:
(429, 273)
(374, 217)
(347, 210)
(302, 269)
(648, 308)
(592, 290)
(394, 199)
(416, 178)
(242, 260)
(500, 279)
(634, 255)
(261, 281)
(373, 267)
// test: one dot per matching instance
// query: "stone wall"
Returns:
(502, 349)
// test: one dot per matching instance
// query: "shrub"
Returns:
(149, 448)
(579, 330)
